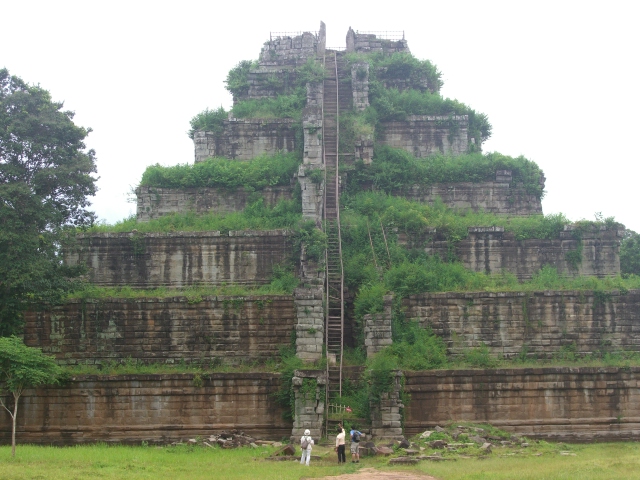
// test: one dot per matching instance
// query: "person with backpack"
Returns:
(355, 444)
(306, 443)
(342, 458)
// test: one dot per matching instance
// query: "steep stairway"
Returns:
(334, 323)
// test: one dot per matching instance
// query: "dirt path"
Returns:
(373, 474)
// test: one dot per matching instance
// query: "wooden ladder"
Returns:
(334, 287)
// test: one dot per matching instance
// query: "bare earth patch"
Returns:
(373, 474)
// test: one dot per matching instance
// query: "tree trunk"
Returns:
(15, 415)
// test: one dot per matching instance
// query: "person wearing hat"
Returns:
(306, 443)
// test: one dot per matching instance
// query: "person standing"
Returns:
(342, 458)
(306, 443)
(355, 445)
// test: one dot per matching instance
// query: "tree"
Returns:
(630, 253)
(45, 182)
(22, 367)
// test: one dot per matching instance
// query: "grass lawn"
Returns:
(597, 461)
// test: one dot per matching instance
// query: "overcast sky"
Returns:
(559, 80)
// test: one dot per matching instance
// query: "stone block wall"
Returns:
(360, 85)
(570, 404)
(310, 323)
(152, 408)
(424, 135)
(163, 330)
(309, 405)
(312, 159)
(386, 416)
(285, 48)
(246, 139)
(499, 197)
(179, 259)
(537, 323)
(377, 329)
(491, 250)
(154, 202)
(369, 43)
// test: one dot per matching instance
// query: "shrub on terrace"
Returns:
(394, 169)
(261, 172)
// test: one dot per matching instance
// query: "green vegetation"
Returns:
(45, 185)
(282, 106)
(394, 170)
(375, 262)
(404, 66)
(257, 216)
(209, 121)
(422, 96)
(291, 97)
(630, 253)
(237, 82)
(283, 282)
(541, 460)
(22, 367)
(261, 172)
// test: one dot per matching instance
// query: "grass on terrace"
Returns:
(541, 461)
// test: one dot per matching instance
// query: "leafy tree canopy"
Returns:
(630, 253)
(45, 179)
(23, 367)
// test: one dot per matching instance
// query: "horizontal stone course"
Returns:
(163, 330)
(154, 202)
(181, 258)
(538, 323)
(491, 196)
(152, 408)
(246, 139)
(566, 403)
(424, 135)
(492, 250)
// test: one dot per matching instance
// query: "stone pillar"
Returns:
(201, 144)
(351, 40)
(360, 85)
(310, 326)
(312, 189)
(309, 404)
(377, 328)
(386, 417)
(322, 39)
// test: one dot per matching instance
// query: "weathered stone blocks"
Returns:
(165, 330)
(309, 404)
(246, 139)
(424, 135)
(310, 323)
(562, 403)
(534, 323)
(151, 408)
(154, 202)
(179, 259)
(492, 250)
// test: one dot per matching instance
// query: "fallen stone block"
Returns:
(386, 451)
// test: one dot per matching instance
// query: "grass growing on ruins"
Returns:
(394, 170)
(418, 99)
(384, 240)
(544, 461)
(263, 171)
(282, 282)
(257, 216)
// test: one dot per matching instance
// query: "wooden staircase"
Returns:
(334, 288)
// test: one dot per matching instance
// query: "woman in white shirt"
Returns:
(340, 444)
